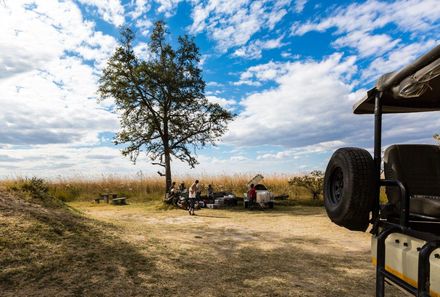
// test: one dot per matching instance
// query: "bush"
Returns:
(36, 189)
(313, 182)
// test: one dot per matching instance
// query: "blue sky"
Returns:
(290, 69)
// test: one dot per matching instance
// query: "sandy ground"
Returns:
(291, 251)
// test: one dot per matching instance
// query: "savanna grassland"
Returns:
(152, 188)
(53, 248)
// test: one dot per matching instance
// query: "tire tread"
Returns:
(360, 168)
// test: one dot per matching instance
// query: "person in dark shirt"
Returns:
(210, 192)
(252, 195)
(173, 195)
(182, 188)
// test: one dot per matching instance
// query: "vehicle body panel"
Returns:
(402, 258)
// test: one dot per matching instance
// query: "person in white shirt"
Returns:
(193, 190)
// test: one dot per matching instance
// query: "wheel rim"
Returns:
(337, 186)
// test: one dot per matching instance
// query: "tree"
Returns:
(161, 103)
(313, 182)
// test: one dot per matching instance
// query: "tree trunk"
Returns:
(167, 170)
(167, 152)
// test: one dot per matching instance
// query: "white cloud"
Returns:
(144, 25)
(225, 103)
(57, 161)
(308, 113)
(140, 8)
(297, 152)
(232, 23)
(50, 161)
(255, 48)
(289, 55)
(358, 22)
(299, 5)
(48, 95)
(110, 11)
(213, 93)
(203, 60)
(214, 84)
(275, 15)
(139, 11)
(248, 82)
(98, 48)
(367, 44)
(255, 75)
(21, 51)
(54, 106)
(238, 158)
(408, 15)
(311, 101)
(142, 50)
(167, 7)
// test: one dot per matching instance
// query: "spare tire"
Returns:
(349, 188)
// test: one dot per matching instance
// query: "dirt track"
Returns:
(295, 251)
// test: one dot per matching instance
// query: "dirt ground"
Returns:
(88, 249)
(291, 251)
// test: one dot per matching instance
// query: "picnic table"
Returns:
(114, 198)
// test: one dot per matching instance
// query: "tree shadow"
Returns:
(56, 252)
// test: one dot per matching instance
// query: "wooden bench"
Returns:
(119, 200)
(106, 197)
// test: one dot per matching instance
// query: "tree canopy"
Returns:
(161, 102)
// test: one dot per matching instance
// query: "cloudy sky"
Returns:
(290, 69)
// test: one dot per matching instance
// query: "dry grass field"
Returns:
(86, 249)
(151, 188)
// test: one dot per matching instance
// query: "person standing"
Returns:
(210, 193)
(252, 195)
(192, 196)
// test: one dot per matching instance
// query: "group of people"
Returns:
(194, 194)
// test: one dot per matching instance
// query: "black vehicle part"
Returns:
(270, 204)
(260, 187)
(349, 188)
(417, 167)
(415, 88)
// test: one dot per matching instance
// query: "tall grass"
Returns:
(152, 188)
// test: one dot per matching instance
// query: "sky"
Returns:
(290, 70)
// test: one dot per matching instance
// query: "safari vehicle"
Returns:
(406, 229)
(265, 199)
